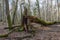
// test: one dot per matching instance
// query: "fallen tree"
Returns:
(40, 21)
(32, 19)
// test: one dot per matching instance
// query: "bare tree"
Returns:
(57, 11)
(29, 8)
(14, 15)
(8, 15)
(38, 7)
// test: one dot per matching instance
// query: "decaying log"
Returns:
(39, 21)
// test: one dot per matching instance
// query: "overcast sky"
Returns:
(32, 2)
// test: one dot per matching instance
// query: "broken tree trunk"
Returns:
(39, 21)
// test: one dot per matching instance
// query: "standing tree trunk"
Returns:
(45, 9)
(29, 8)
(3, 11)
(21, 10)
(21, 13)
(8, 15)
(57, 9)
(38, 8)
(14, 15)
(51, 11)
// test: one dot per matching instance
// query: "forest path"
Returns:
(44, 33)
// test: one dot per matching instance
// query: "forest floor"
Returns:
(43, 33)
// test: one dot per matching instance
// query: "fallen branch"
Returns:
(6, 35)
(14, 26)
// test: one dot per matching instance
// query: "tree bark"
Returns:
(14, 15)
(38, 8)
(8, 15)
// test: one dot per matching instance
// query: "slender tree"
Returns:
(23, 2)
(21, 13)
(8, 15)
(34, 11)
(0, 13)
(29, 8)
(3, 11)
(14, 15)
(38, 7)
(51, 10)
(45, 9)
(57, 11)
